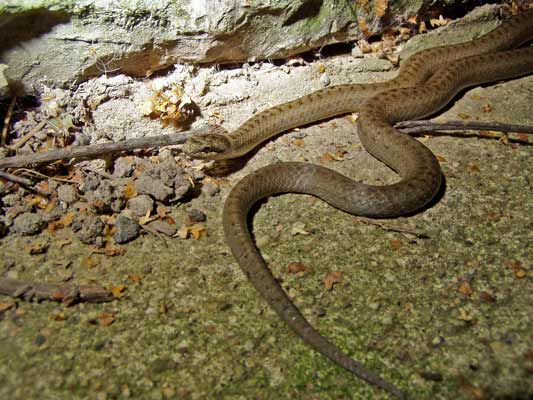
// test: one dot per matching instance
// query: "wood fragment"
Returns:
(36, 129)
(24, 182)
(394, 227)
(7, 120)
(68, 294)
(101, 149)
(428, 126)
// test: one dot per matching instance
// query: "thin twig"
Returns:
(104, 148)
(426, 126)
(36, 129)
(35, 173)
(24, 182)
(7, 120)
(393, 227)
(66, 293)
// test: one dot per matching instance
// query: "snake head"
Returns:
(207, 146)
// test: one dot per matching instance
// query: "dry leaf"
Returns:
(296, 267)
(363, 27)
(332, 278)
(6, 306)
(465, 288)
(118, 291)
(89, 262)
(440, 158)
(380, 7)
(298, 142)
(473, 168)
(395, 244)
(198, 231)
(129, 190)
(106, 318)
(487, 297)
(112, 251)
(137, 278)
(183, 232)
(441, 21)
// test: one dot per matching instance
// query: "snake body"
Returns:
(425, 83)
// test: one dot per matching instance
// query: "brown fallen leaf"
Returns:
(106, 318)
(436, 22)
(466, 289)
(395, 244)
(118, 291)
(363, 27)
(198, 231)
(296, 267)
(111, 250)
(380, 7)
(129, 190)
(137, 278)
(89, 262)
(486, 108)
(332, 278)
(6, 306)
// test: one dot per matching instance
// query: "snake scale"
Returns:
(426, 82)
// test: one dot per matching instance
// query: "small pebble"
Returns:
(28, 224)
(126, 229)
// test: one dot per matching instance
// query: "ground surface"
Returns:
(444, 317)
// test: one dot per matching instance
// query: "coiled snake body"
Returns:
(425, 83)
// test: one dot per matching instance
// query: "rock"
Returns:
(210, 189)
(162, 227)
(137, 39)
(123, 167)
(126, 229)
(154, 187)
(28, 224)
(194, 216)
(140, 205)
(102, 197)
(12, 199)
(164, 181)
(66, 194)
(87, 228)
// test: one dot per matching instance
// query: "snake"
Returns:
(425, 83)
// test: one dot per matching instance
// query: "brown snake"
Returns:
(425, 83)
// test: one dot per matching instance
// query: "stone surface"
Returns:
(126, 228)
(28, 224)
(62, 42)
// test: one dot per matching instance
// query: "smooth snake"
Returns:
(426, 82)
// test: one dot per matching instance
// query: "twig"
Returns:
(65, 293)
(393, 227)
(35, 173)
(24, 182)
(19, 143)
(425, 126)
(7, 120)
(100, 149)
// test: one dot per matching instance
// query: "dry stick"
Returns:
(66, 293)
(7, 120)
(19, 143)
(28, 184)
(393, 227)
(425, 126)
(104, 148)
